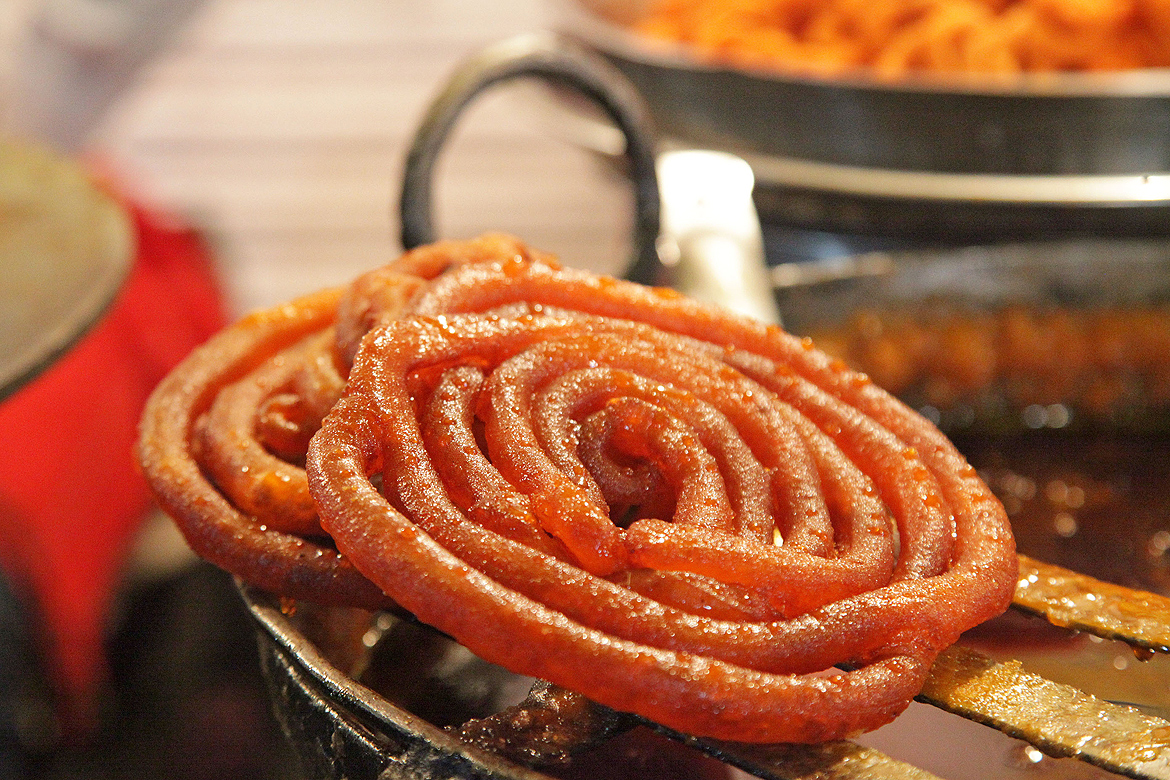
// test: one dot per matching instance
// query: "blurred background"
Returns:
(278, 128)
(258, 145)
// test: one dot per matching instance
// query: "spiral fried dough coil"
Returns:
(223, 437)
(673, 510)
(241, 502)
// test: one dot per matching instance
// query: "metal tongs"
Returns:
(695, 229)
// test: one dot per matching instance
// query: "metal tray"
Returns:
(67, 247)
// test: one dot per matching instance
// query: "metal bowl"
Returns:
(966, 157)
(1086, 304)
(338, 727)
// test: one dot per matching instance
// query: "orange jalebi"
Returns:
(893, 38)
(217, 445)
(674, 510)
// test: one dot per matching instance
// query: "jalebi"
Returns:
(671, 509)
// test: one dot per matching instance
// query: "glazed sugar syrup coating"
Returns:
(223, 437)
(670, 509)
(203, 450)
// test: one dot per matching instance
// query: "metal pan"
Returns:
(318, 661)
(697, 231)
(1035, 155)
(67, 248)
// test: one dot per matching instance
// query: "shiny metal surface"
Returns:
(66, 248)
(1032, 124)
(711, 242)
(560, 62)
(1074, 275)
(960, 159)
(695, 226)
(340, 728)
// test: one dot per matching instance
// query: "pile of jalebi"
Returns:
(892, 38)
(671, 509)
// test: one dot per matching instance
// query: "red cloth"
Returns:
(71, 495)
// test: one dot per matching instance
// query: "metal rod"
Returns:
(1071, 600)
(1057, 719)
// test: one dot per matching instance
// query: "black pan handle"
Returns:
(553, 58)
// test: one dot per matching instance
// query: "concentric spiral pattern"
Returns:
(223, 438)
(670, 509)
(222, 444)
